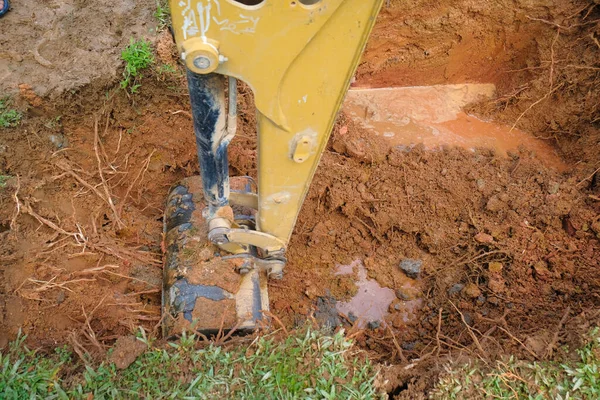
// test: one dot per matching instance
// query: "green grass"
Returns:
(167, 69)
(162, 14)
(9, 117)
(578, 378)
(3, 180)
(138, 55)
(306, 365)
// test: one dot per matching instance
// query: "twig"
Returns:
(229, 334)
(533, 105)
(118, 220)
(28, 210)
(271, 315)
(46, 285)
(470, 260)
(552, 344)
(220, 333)
(370, 229)
(182, 112)
(78, 348)
(129, 277)
(69, 171)
(513, 337)
(94, 270)
(552, 57)
(437, 335)
(595, 40)
(91, 334)
(469, 330)
(142, 170)
(589, 177)
(119, 142)
(398, 348)
(13, 220)
(151, 291)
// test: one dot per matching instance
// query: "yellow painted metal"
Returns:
(299, 59)
(204, 50)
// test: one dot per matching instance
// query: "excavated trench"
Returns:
(477, 171)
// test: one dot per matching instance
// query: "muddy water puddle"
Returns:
(373, 304)
(433, 115)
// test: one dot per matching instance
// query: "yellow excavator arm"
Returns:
(298, 57)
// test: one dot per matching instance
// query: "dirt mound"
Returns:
(58, 46)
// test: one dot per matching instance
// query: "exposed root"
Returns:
(118, 221)
(78, 348)
(396, 345)
(535, 103)
(589, 177)
(47, 285)
(13, 220)
(276, 319)
(69, 171)
(470, 331)
(552, 344)
(140, 173)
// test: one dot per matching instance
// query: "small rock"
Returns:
(541, 269)
(352, 317)
(456, 288)
(468, 318)
(481, 300)
(497, 284)
(402, 294)
(60, 141)
(480, 184)
(311, 292)
(126, 350)
(397, 306)
(408, 346)
(482, 237)
(373, 325)
(326, 313)
(27, 93)
(60, 297)
(495, 267)
(494, 300)
(397, 320)
(472, 290)
(494, 204)
(553, 187)
(412, 268)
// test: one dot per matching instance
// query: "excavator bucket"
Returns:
(203, 290)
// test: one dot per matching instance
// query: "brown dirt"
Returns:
(57, 46)
(522, 238)
(126, 350)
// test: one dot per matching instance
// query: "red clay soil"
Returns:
(508, 246)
